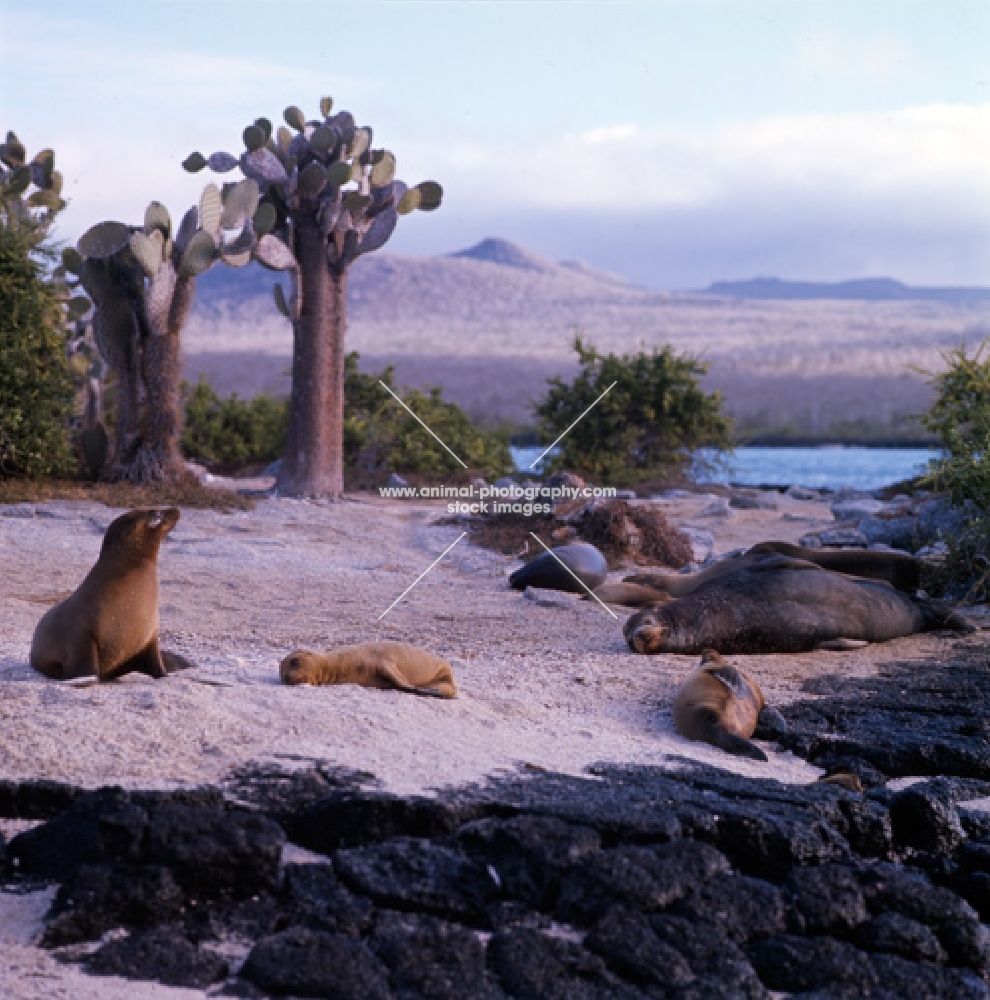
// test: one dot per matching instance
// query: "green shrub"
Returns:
(232, 432)
(379, 435)
(960, 416)
(650, 424)
(35, 382)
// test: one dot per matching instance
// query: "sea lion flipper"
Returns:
(775, 562)
(841, 645)
(148, 661)
(176, 661)
(771, 722)
(389, 672)
(732, 679)
(85, 662)
(739, 746)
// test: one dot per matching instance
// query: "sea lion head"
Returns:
(646, 631)
(300, 667)
(139, 532)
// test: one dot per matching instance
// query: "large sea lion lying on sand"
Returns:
(373, 664)
(896, 568)
(109, 626)
(781, 605)
(722, 705)
(581, 560)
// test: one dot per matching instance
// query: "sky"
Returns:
(674, 143)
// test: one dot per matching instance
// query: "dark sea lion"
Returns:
(583, 560)
(629, 595)
(109, 626)
(373, 664)
(722, 705)
(896, 568)
(783, 605)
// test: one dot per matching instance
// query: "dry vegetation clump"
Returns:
(621, 531)
(188, 492)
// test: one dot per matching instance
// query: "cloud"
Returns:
(823, 51)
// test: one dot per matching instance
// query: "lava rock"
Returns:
(866, 826)
(162, 954)
(97, 898)
(922, 981)
(924, 820)
(754, 501)
(967, 942)
(631, 949)
(826, 900)
(99, 828)
(430, 958)
(305, 963)
(785, 962)
(938, 519)
(896, 532)
(843, 538)
(796, 492)
(723, 971)
(323, 902)
(530, 853)
(37, 799)
(890, 888)
(643, 878)
(408, 873)
(536, 966)
(899, 935)
(739, 907)
(212, 852)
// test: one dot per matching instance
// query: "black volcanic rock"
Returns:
(797, 964)
(37, 799)
(826, 899)
(306, 963)
(162, 954)
(922, 819)
(899, 935)
(322, 902)
(738, 907)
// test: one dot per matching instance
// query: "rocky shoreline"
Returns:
(628, 882)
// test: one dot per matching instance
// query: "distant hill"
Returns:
(860, 289)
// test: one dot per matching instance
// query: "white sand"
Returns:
(548, 683)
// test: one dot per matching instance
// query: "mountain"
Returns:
(860, 290)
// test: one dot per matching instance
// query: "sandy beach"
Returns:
(546, 683)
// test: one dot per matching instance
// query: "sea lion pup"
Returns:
(721, 705)
(629, 595)
(373, 664)
(896, 568)
(783, 605)
(109, 626)
(582, 560)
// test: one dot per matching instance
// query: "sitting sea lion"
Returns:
(721, 705)
(629, 595)
(109, 626)
(583, 561)
(373, 664)
(782, 605)
(896, 568)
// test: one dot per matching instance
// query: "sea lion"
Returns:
(629, 595)
(722, 705)
(896, 568)
(109, 626)
(782, 605)
(583, 561)
(373, 664)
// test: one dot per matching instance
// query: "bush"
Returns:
(232, 432)
(379, 435)
(960, 416)
(648, 425)
(35, 382)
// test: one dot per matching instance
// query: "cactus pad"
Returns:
(355, 202)
(323, 139)
(361, 142)
(294, 118)
(156, 217)
(264, 166)
(72, 260)
(221, 162)
(431, 194)
(104, 239)
(187, 229)
(194, 162)
(338, 174)
(199, 255)
(283, 306)
(254, 138)
(12, 152)
(272, 253)
(19, 181)
(148, 251)
(235, 259)
(312, 180)
(265, 218)
(266, 126)
(381, 228)
(384, 170)
(244, 242)
(78, 306)
(210, 209)
(326, 106)
(240, 202)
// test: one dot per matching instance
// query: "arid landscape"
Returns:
(491, 324)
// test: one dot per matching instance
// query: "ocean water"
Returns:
(830, 466)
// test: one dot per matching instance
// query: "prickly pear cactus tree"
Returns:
(327, 197)
(30, 190)
(142, 280)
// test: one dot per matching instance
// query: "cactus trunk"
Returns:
(313, 464)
